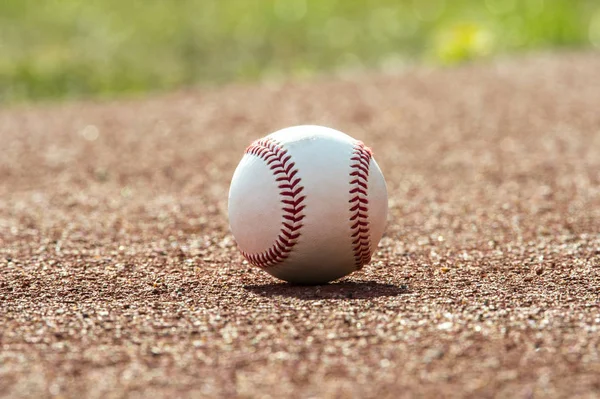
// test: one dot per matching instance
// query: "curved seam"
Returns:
(359, 204)
(291, 196)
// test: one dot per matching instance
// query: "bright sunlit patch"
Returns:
(594, 30)
(90, 133)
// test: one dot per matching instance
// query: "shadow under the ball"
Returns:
(340, 290)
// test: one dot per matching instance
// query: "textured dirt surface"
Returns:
(118, 276)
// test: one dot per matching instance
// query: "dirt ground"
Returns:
(119, 277)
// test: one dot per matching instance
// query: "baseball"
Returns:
(308, 204)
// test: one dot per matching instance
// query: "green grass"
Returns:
(75, 48)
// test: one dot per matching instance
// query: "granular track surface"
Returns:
(119, 277)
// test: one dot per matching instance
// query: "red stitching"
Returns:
(289, 186)
(359, 178)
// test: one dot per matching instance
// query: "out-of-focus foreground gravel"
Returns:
(119, 277)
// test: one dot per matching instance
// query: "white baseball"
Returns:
(308, 204)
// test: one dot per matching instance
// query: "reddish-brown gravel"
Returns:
(118, 276)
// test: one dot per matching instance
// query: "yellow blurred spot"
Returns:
(445, 270)
(463, 42)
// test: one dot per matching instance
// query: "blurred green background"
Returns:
(100, 48)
